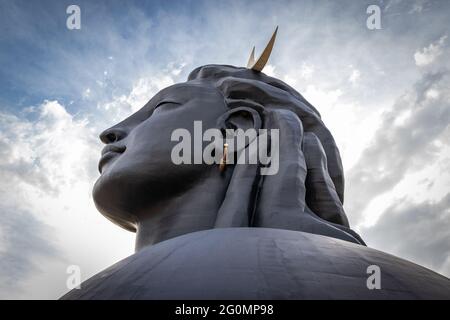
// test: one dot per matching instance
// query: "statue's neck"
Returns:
(193, 210)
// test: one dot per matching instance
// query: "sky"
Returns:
(383, 93)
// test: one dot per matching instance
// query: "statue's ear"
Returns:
(239, 122)
(240, 118)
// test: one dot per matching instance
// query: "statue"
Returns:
(225, 231)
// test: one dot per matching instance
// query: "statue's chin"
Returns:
(107, 201)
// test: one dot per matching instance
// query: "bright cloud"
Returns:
(428, 54)
(404, 144)
(354, 77)
(47, 168)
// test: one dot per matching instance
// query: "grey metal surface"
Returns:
(260, 263)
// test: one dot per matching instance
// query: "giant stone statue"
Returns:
(225, 231)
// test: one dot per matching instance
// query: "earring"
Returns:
(223, 161)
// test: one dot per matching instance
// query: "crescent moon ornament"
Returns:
(251, 60)
(259, 64)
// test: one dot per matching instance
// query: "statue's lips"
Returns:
(108, 153)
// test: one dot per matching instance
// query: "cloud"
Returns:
(48, 165)
(52, 151)
(415, 231)
(404, 143)
(429, 54)
(418, 6)
(318, 96)
(390, 4)
(42, 158)
(354, 77)
(143, 89)
(23, 238)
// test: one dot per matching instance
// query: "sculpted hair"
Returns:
(310, 166)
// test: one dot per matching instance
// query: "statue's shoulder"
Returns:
(260, 263)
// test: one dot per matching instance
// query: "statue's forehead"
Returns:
(180, 93)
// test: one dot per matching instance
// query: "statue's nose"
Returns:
(112, 135)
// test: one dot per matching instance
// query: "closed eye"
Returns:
(166, 102)
(151, 111)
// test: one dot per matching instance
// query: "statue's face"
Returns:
(136, 166)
